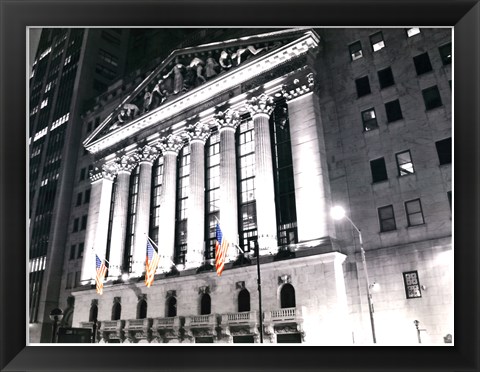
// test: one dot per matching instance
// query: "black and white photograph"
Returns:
(240, 185)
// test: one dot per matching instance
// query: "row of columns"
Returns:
(260, 109)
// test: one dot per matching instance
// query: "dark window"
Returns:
(377, 42)
(431, 97)
(385, 77)
(89, 126)
(84, 223)
(75, 224)
(363, 86)
(355, 50)
(414, 211)
(72, 251)
(205, 304)
(171, 307)
(289, 338)
(386, 218)
(369, 120)
(243, 339)
(412, 285)
(412, 31)
(116, 311)
(80, 250)
(393, 110)
(142, 309)
(379, 170)
(444, 150)
(97, 122)
(446, 53)
(449, 195)
(79, 198)
(82, 174)
(243, 301)
(93, 313)
(287, 296)
(404, 163)
(87, 196)
(422, 63)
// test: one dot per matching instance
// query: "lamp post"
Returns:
(56, 315)
(338, 213)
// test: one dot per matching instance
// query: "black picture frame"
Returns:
(16, 15)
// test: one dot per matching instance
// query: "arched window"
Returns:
(243, 301)
(171, 307)
(205, 304)
(142, 309)
(116, 311)
(287, 296)
(93, 313)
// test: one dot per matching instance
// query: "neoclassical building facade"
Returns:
(241, 134)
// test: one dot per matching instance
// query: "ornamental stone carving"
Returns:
(261, 105)
(299, 88)
(228, 119)
(108, 172)
(146, 154)
(126, 163)
(171, 143)
(198, 132)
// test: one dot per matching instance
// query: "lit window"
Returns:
(422, 63)
(412, 286)
(431, 98)
(369, 120)
(377, 42)
(363, 86)
(385, 77)
(44, 103)
(48, 86)
(444, 150)
(404, 163)
(379, 170)
(414, 211)
(386, 218)
(67, 60)
(412, 31)
(446, 53)
(355, 50)
(393, 110)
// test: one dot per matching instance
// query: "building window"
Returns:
(412, 31)
(72, 251)
(108, 58)
(287, 296)
(132, 210)
(142, 309)
(171, 307)
(157, 175)
(379, 170)
(355, 50)
(369, 120)
(385, 77)
(412, 286)
(212, 192)
(431, 98)
(422, 63)
(414, 211)
(79, 199)
(116, 311)
(77, 278)
(446, 53)
(449, 196)
(69, 283)
(377, 42)
(363, 86)
(205, 304)
(386, 218)
(182, 205)
(86, 199)
(393, 110)
(82, 174)
(76, 221)
(243, 301)
(80, 250)
(404, 163)
(89, 126)
(84, 223)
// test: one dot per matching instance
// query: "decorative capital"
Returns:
(171, 143)
(198, 132)
(108, 172)
(299, 88)
(146, 154)
(261, 105)
(228, 119)
(126, 163)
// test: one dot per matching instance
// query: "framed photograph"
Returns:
(246, 176)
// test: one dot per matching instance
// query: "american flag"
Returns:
(221, 248)
(101, 271)
(151, 264)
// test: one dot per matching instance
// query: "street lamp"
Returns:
(56, 315)
(338, 213)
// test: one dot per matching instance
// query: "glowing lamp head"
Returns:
(337, 213)
(125, 277)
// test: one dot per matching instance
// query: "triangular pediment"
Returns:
(183, 72)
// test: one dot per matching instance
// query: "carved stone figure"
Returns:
(225, 60)
(177, 72)
(197, 64)
(211, 66)
(131, 110)
(147, 101)
(237, 56)
(159, 94)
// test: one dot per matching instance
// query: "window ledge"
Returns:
(414, 226)
(396, 121)
(434, 108)
(379, 182)
(388, 232)
(406, 176)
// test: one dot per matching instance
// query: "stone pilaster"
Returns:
(98, 216)
(312, 186)
(197, 135)
(260, 109)
(227, 123)
(145, 158)
(120, 211)
(170, 146)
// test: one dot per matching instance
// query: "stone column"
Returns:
(227, 123)
(312, 186)
(145, 158)
(98, 216)
(260, 109)
(197, 135)
(120, 211)
(170, 147)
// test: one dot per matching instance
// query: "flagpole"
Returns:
(234, 244)
(259, 282)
